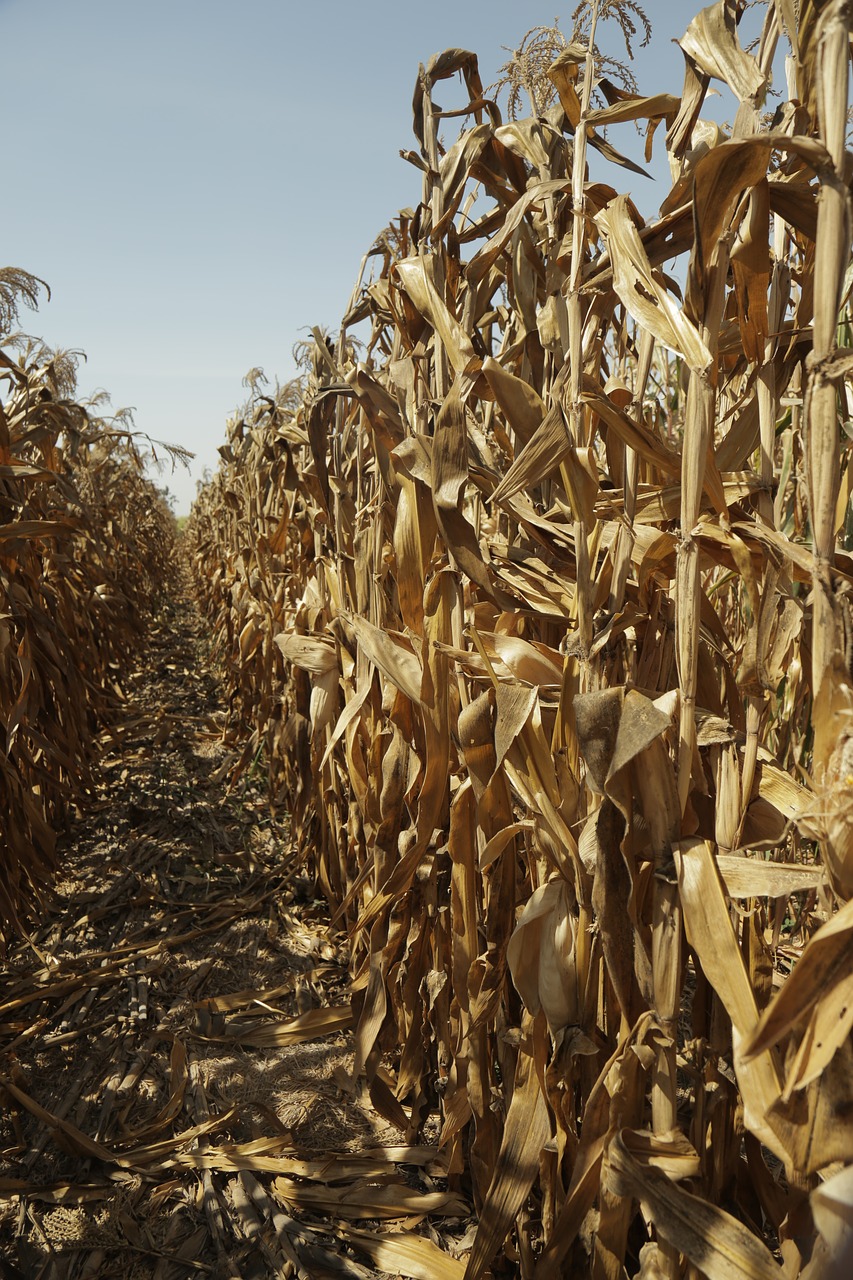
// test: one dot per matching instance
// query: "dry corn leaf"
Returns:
(818, 997)
(75, 1141)
(482, 262)
(635, 108)
(644, 296)
(396, 662)
(542, 454)
(711, 42)
(406, 1254)
(717, 1244)
(306, 1026)
(754, 878)
(520, 402)
(449, 480)
(526, 661)
(526, 1131)
(832, 1207)
(58, 1193)
(415, 275)
(635, 435)
(709, 931)
(364, 1199)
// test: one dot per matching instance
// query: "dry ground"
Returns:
(164, 1112)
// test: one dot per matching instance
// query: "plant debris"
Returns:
(176, 1033)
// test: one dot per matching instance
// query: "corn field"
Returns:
(538, 612)
(535, 604)
(85, 540)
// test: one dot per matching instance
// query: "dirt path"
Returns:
(165, 1113)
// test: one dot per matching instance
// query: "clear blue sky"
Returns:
(197, 181)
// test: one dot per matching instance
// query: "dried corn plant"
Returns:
(85, 542)
(539, 614)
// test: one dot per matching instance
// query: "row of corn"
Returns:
(537, 609)
(85, 543)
